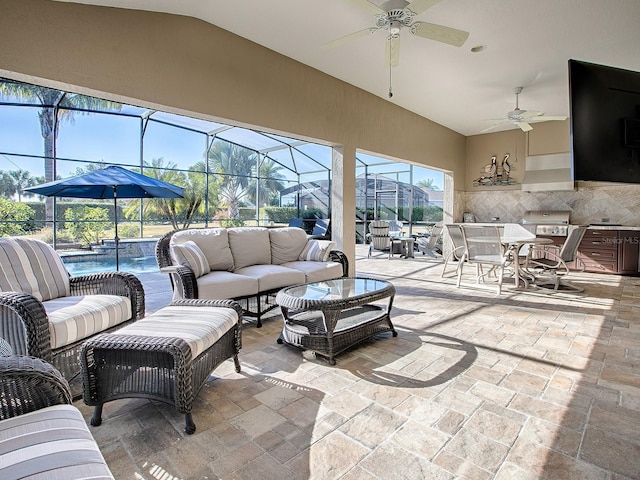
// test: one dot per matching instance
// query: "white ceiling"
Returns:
(528, 43)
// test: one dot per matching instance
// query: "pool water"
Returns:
(108, 264)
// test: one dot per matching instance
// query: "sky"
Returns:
(116, 139)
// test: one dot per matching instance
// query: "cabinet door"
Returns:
(598, 251)
(628, 252)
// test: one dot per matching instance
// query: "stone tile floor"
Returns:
(525, 385)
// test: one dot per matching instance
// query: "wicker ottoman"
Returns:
(166, 356)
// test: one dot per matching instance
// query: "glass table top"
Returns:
(338, 289)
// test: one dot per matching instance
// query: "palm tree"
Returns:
(22, 179)
(51, 114)
(235, 165)
(427, 184)
(269, 183)
(179, 211)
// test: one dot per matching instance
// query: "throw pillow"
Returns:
(188, 253)
(317, 250)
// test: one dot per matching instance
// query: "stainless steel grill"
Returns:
(553, 223)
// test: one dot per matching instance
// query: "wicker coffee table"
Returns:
(329, 317)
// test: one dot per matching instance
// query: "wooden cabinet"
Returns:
(598, 251)
(605, 251)
(628, 253)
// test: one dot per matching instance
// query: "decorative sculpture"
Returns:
(506, 168)
(494, 175)
(493, 172)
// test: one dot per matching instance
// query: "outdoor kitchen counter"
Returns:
(634, 228)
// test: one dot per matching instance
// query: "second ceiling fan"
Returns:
(394, 15)
(523, 118)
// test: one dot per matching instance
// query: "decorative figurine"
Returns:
(494, 169)
(506, 168)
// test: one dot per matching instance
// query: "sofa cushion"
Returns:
(286, 244)
(188, 253)
(317, 250)
(271, 277)
(223, 285)
(199, 326)
(74, 318)
(249, 246)
(316, 271)
(32, 267)
(53, 442)
(214, 243)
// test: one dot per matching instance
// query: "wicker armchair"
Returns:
(48, 314)
(28, 384)
(42, 434)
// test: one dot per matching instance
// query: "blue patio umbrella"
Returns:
(110, 182)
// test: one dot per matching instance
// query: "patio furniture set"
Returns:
(95, 326)
(515, 246)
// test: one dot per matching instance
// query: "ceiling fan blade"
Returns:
(546, 118)
(440, 33)
(352, 36)
(366, 5)
(419, 6)
(392, 51)
(524, 126)
(493, 126)
(528, 114)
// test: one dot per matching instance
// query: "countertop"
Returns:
(635, 228)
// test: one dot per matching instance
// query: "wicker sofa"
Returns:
(48, 314)
(41, 434)
(247, 264)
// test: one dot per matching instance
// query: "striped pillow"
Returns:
(317, 250)
(188, 253)
(33, 267)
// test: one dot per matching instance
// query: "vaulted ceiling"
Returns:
(527, 43)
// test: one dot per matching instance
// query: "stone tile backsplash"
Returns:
(588, 204)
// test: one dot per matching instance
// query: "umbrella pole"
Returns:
(115, 219)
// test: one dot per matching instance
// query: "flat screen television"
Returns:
(605, 122)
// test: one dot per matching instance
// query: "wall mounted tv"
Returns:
(605, 122)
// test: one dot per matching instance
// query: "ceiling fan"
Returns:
(394, 15)
(523, 118)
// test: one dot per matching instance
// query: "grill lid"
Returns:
(547, 217)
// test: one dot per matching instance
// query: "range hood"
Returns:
(545, 173)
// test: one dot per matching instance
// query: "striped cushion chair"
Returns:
(42, 435)
(46, 313)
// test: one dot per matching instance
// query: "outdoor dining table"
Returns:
(513, 244)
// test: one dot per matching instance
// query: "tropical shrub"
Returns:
(86, 224)
(16, 218)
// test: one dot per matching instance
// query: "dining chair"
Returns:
(455, 236)
(541, 261)
(380, 239)
(483, 246)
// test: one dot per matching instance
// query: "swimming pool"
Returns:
(146, 264)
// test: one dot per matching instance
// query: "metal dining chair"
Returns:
(541, 262)
(455, 235)
(483, 247)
